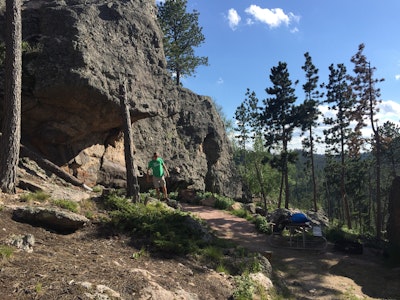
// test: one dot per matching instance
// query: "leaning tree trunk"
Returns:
(132, 186)
(11, 127)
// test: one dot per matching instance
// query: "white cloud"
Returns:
(294, 18)
(249, 21)
(233, 18)
(274, 17)
(397, 77)
(389, 111)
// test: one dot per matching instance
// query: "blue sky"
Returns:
(245, 39)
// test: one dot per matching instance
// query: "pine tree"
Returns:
(339, 133)
(367, 96)
(11, 126)
(181, 34)
(279, 119)
(390, 138)
(308, 115)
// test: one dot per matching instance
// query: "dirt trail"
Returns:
(310, 274)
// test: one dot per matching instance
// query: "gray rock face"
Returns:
(82, 51)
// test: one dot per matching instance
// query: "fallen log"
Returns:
(48, 165)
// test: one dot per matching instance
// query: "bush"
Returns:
(262, 224)
(39, 196)
(6, 252)
(242, 213)
(223, 202)
(67, 204)
(244, 288)
(162, 229)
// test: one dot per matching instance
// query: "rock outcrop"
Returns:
(60, 220)
(80, 52)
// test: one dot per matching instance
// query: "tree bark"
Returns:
(314, 181)
(345, 201)
(260, 182)
(11, 127)
(132, 186)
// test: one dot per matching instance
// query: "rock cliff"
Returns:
(80, 51)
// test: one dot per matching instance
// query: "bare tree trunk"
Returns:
(378, 148)
(379, 219)
(281, 190)
(132, 186)
(286, 172)
(345, 201)
(260, 182)
(314, 181)
(11, 127)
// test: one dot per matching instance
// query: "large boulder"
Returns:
(81, 51)
(53, 218)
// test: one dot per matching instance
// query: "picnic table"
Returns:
(299, 236)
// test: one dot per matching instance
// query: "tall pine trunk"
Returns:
(11, 127)
(314, 181)
(345, 201)
(286, 172)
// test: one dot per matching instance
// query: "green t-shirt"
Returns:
(157, 166)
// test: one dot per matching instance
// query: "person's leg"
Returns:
(164, 189)
(156, 184)
(163, 185)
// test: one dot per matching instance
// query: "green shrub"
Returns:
(89, 215)
(223, 202)
(213, 253)
(97, 189)
(141, 253)
(173, 195)
(221, 268)
(39, 288)
(163, 229)
(67, 204)
(242, 213)
(262, 224)
(244, 288)
(87, 204)
(6, 252)
(39, 196)
(203, 195)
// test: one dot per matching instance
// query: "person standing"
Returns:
(159, 170)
